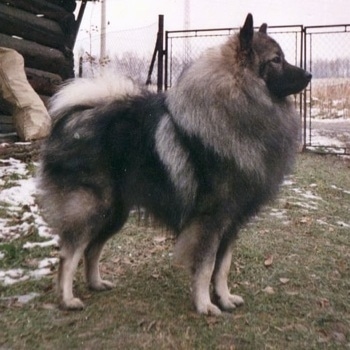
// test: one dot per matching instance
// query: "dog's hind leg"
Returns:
(224, 298)
(69, 260)
(92, 272)
(93, 252)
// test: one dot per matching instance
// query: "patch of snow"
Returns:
(22, 299)
(340, 189)
(336, 120)
(15, 273)
(47, 262)
(24, 143)
(310, 199)
(27, 297)
(322, 222)
(23, 217)
(288, 182)
(326, 141)
(343, 224)
(306, 205)
(12, 276)
(12, 166)
(309, 195)
(9, 277)
(19, 195)
(52, 242)
(39, 273)
(279, 213)
(44, 231)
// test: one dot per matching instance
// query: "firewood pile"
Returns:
(43, 32)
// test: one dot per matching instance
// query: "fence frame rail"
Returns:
(304, 60)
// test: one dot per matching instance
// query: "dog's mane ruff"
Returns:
(90, 92)
(226, 88)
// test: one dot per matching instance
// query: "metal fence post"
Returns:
(304, 102)
(80, 74)
(160, 45)
(166, 53)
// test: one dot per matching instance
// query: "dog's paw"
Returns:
(208, 309)
(101, 285)
(230, 302)
(72, 304)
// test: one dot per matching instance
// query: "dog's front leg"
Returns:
(201, 279)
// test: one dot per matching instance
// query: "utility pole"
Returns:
(187, 44)
(103, 31)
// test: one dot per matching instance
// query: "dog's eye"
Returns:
(276, 59)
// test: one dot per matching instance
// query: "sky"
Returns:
(132, 24)
(130, 14)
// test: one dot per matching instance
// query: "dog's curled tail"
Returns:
(91, 92)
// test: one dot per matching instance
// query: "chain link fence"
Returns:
(129, 52)
(327, 53)
(182, 47)
(324, 51)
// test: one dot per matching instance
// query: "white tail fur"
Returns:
(91, 91)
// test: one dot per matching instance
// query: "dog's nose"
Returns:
(308, 75)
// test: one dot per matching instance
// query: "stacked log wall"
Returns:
(43, 32)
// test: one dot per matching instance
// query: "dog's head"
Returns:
(266, 57)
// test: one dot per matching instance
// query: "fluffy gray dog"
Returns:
(202, 158)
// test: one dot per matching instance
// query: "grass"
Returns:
(291, 265)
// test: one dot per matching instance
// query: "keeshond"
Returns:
(202, 158)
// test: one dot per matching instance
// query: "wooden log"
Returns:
(23, 24)
(5, 106)
(42, 82)
(39, 7)
(6, 139)
(25, 151)
(41, 57)
(65, 19)
(68, 5)
(6, 124)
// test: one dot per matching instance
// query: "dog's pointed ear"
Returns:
(263, 28)
(246, 33)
